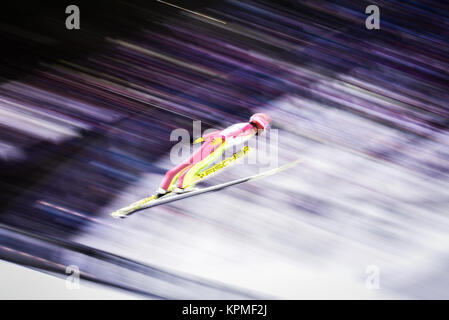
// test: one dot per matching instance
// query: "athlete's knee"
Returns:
(171, 172)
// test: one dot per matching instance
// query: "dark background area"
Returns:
(86, 117)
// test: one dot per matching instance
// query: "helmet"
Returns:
(260, 120)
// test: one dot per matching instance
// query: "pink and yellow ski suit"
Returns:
(213, 145)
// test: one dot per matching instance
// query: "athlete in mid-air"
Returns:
(180, 178)
(185, 175)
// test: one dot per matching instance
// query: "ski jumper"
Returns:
(214, 144)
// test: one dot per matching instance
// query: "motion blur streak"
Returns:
(86, 116)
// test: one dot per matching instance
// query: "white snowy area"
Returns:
(342, 224)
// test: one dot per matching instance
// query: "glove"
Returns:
(217, 140)
(199, 140)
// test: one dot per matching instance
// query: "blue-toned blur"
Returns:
(90, 98)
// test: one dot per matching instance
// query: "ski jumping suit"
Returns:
(214, 145)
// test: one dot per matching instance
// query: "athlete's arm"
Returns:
(210, 136)
(241, 131)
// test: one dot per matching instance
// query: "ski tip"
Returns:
(126, 211)
(290, 164)
(296, 161)
(118, 215)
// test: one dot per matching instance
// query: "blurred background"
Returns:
(85, 123)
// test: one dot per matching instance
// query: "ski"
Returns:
(152, 202)
(121, 213)
(221, 165)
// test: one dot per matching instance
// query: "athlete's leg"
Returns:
(178, 171)
(171, 174)
(208, 152)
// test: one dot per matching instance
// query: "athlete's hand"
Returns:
(218, 140)
(199, 140)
